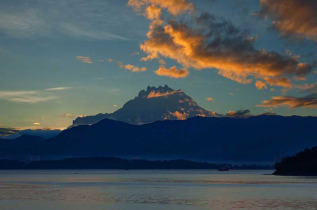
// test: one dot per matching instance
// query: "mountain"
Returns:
(302, 164)
(38, 132)
(119, 163)
(255, 139)
(7, 131)
(152, 104)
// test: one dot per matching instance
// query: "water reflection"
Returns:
(155, 189)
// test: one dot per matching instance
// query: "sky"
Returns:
(67, 58)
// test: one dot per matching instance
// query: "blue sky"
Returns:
(42, 78)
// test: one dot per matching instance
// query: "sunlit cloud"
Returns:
(239, 113)
(209, 99)
(37, 124)
(178, 115)
(260, 85)
(131, 67)
(171, 72)
(297, 18)
(84, 59)
(174, 7)
(155, 94)
(115, 105)
(309, 101)
(205, 41)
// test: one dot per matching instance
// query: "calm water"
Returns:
(154, 189)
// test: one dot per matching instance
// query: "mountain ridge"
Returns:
(219, 139)
(150, 105)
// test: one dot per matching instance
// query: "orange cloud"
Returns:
(260, 85)
(292, 17)
(207, 42)
(84, 59)
(172, 72)
(133, 68)
(179, 116)
(154, 94)
(209, 99)
(174, 7)
(309, 101)
(239, 113)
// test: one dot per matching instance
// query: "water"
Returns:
(154, 189)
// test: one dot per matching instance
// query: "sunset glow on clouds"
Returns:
(84, 58)
(204, 41)
(292, 17)
(172, 72)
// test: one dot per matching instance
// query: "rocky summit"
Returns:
(152, 104)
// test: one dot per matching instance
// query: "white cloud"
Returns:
(58, 88)
(25, 96)
(84, 59)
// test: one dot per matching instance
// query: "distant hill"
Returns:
(302, 164)
(7, 131)
(118, 163)
(237, 140)
(44, 133)
(152, 104)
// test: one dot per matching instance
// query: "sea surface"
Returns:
(154, 189)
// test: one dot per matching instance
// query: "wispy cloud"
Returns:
(58, 88)
(292, 17)
(84, 59)
(309, 100)
(71, 116)
(78, 32)
(25, 96)
(36, 21)
(31, 97)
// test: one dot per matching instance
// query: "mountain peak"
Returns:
(153, 104)
(156, 91)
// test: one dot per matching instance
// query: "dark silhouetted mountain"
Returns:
(118, 163)
(7, 131)
(152, 104)
(302, 164)
(38, 132)
(246, 140)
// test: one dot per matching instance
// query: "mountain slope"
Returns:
(249, 140)
(152, 104)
